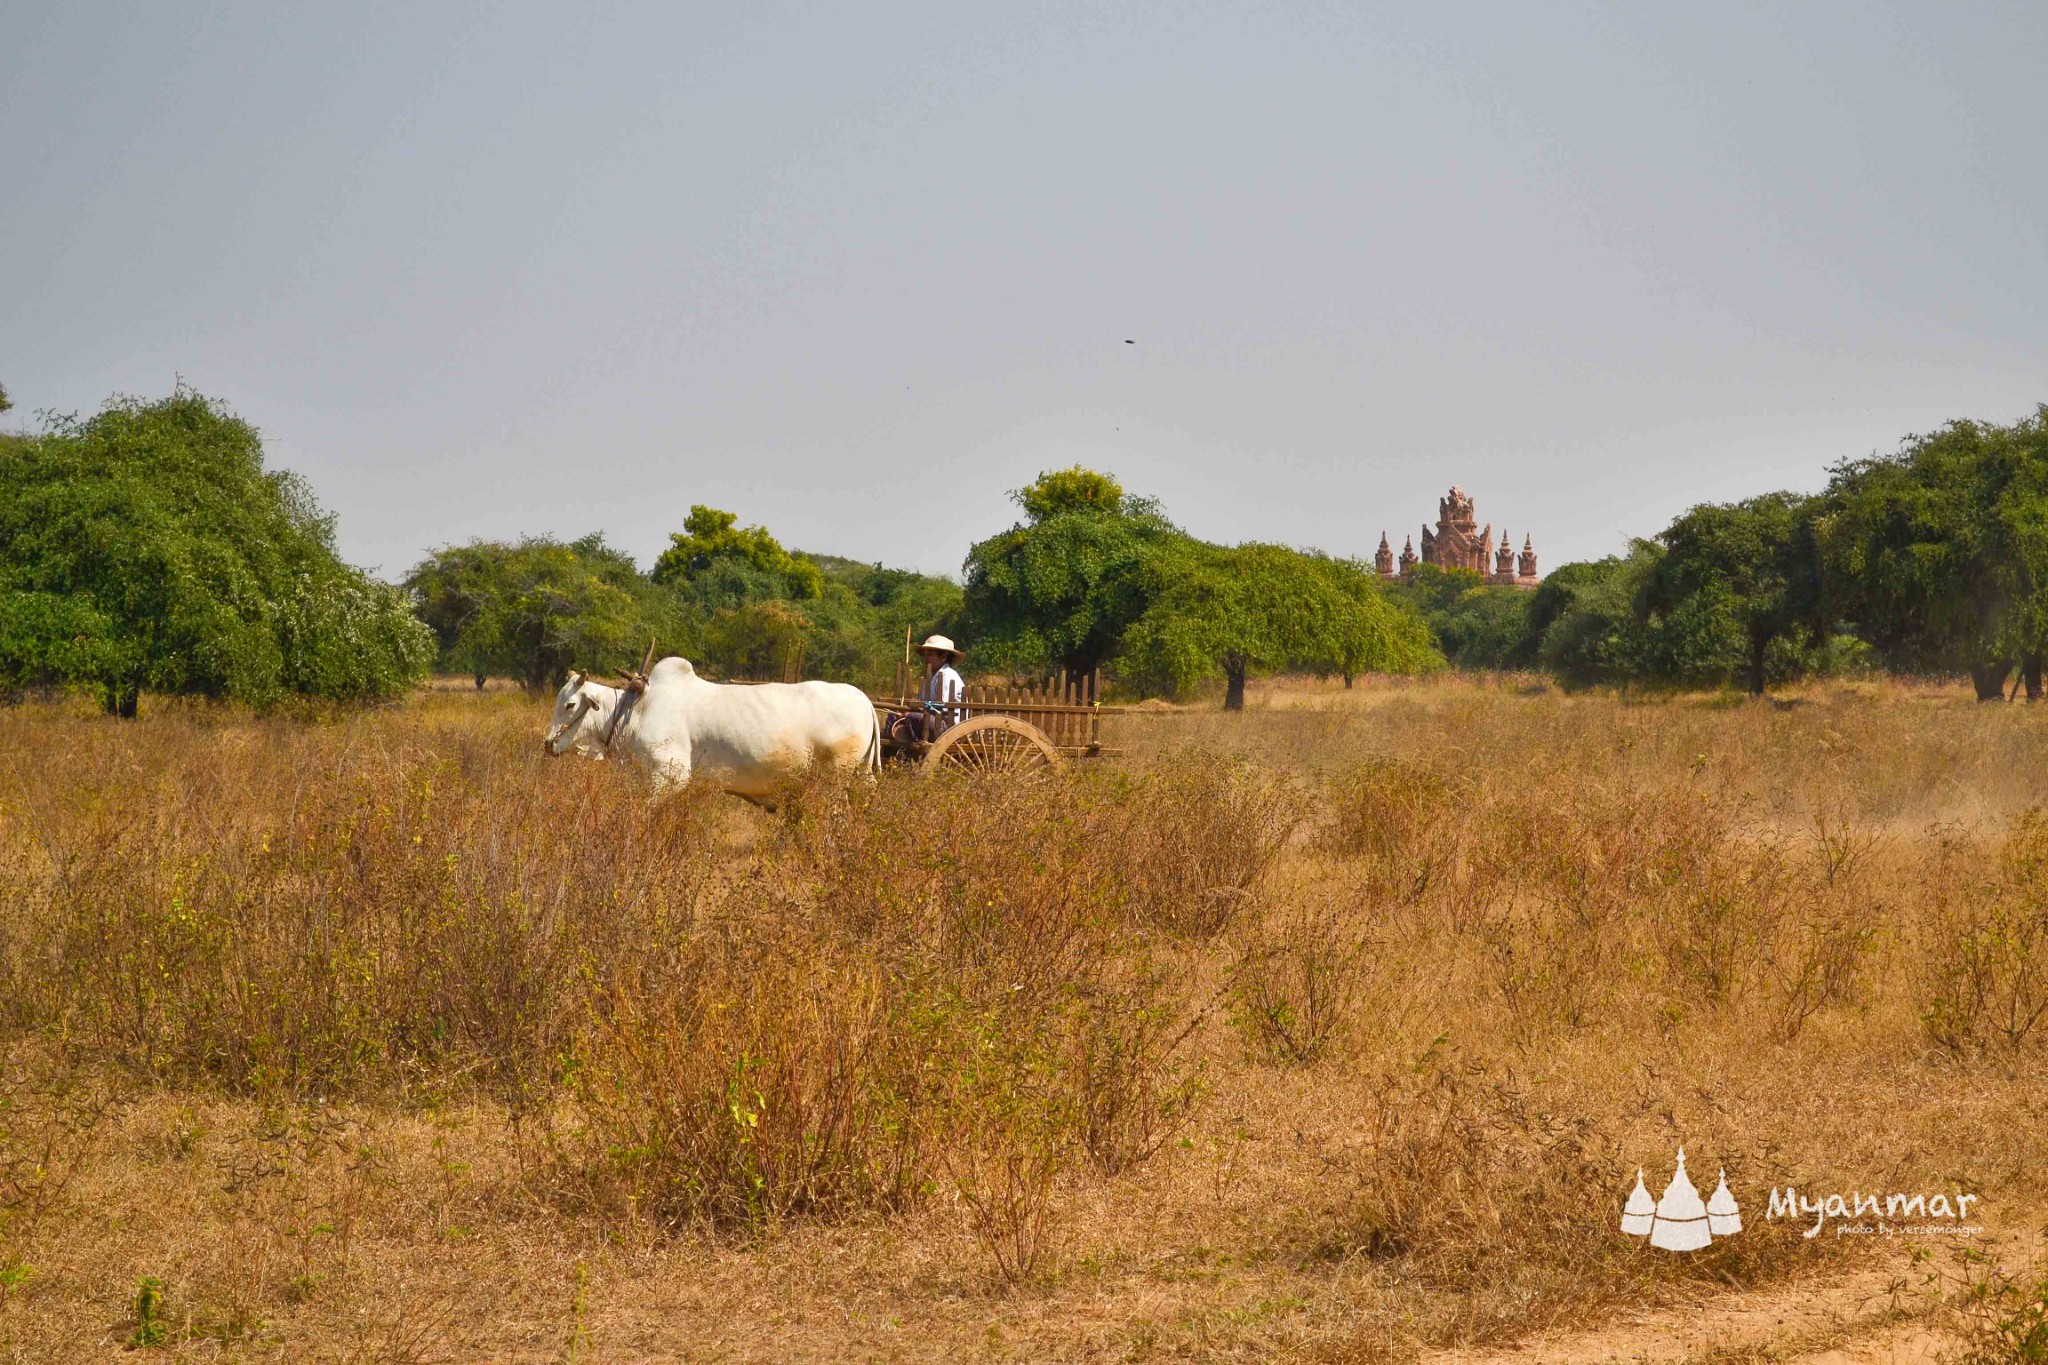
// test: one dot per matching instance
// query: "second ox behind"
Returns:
(751, 739)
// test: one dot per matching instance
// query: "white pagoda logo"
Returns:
(1680, 1221)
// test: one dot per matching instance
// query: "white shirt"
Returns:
(946, 686)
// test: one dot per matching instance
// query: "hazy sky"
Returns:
(856, 271)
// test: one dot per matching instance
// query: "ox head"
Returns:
(583, 708)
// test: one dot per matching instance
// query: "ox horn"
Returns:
(648, 662)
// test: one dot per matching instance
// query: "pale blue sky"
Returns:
(855, 271)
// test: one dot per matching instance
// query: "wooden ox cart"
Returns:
(1015, 730)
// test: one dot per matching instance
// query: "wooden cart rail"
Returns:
(1062, 708)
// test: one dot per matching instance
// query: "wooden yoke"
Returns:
(633, 687)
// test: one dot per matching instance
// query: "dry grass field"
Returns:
(1334, 1030)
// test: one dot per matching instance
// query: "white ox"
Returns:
(749, 738)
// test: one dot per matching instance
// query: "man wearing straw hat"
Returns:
(943, 695)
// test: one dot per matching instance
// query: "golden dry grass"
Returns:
(1333, 1030)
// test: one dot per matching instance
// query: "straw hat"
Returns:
(942, 644)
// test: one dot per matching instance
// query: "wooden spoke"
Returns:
(994, 746)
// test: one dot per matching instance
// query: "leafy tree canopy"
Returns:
(535, 608)
(1938, 554)
(1583, 621)
(1094, 576)
(1736, 581)
(1433, 588)
(858, 624)
(717, 563)
(148, 548)
(1071, 490)
(1060, 589)
(1474, 624)
(1230, 610)
(757, 640)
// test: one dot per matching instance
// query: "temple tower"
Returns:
(1457, 541)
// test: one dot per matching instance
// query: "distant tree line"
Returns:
(1933, 559)
(147, 548)
(732, 599)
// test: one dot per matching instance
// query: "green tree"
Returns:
(717, 563)
(1071, 490)
(148, 548)
(1229, 611)
(5, 402)
(858, 624)
(535, 608)
(1060, 588)
(1938, 554)
(756, 640)
(1736, 586)
(1583, 626)
(452, 589)
(1475, 624)
(1484, 628)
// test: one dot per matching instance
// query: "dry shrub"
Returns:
(1472, 1187)
(302, 1181)
(1397, 821)
(990, 1000)
(1297, 978)
(720, 1016)
(1195, 833)
(1983, 969)
(1819, 958)
(1598, 896)
(918, 989)
(51, 1110)
(1133, 1083)
(1456, 1164)
(399, 913)
(706, 1101)
(2003, 1318)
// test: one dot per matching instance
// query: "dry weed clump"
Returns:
(1469, 1184)
(1343, 1025)
(1983, 968)
(910, 974)
(51, 1110)
(1298, 978)
(811, 1015)
(1608, 890)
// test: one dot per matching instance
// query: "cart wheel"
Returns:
(997, 746)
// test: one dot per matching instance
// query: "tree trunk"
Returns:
(1989, 678)
(2030, 673)
(479, 682)
(1233, 694)
(1757, 650)
(1347, 680)
(121, 699)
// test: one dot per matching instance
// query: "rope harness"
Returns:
(635, 687)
